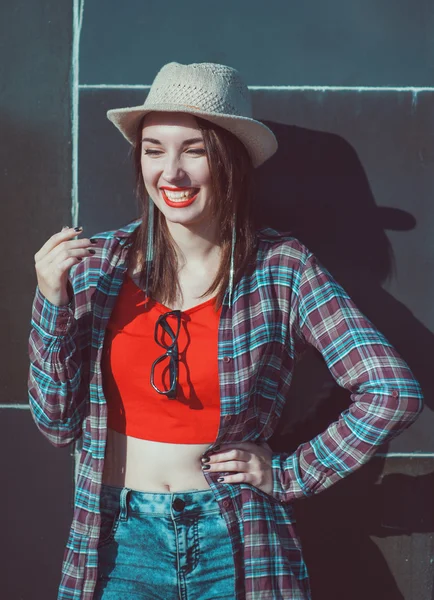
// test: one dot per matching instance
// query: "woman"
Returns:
(167, 349)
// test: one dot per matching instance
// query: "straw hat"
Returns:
(211, 91)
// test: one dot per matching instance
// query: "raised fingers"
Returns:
(67, 233)
(66, 249)
(55, 258)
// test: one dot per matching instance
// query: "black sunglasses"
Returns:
(171, 351)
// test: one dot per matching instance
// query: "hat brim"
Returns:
(259, 140)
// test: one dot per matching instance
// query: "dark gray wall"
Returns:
(279, 42)
(35, 183)
(353, 178)
(35, 508)
(35, 158)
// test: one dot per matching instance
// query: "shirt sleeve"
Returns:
(56, 392)
(386, 398)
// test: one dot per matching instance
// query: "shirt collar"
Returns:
(268, 234)
(127, 230)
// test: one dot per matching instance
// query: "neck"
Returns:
(195, 245)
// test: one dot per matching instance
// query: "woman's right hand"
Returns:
(55, 258)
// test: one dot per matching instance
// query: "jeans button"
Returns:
(178, 504)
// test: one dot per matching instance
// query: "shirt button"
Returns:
(226, 359)
(226, 503)
(395, 393)
(228, 417)
(178, 504)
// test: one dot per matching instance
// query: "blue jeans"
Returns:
(163, 546)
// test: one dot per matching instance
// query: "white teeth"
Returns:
(179, 195)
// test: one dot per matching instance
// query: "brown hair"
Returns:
(231, 172)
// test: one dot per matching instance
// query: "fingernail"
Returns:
(78, 228)
(216, 448)
(220, 479)
(205, 467)
(92, 241)
(205, 459)
(91, 251)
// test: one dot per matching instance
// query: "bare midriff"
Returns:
(148, 466)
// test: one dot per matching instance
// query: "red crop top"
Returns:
(134, 407)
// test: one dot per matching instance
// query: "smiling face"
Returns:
(175, 168)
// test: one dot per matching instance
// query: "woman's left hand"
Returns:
(250, 462)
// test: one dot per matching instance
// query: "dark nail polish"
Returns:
(206, 467)
(92, 241)
(220, 479)
(78, 228)
(216, 448)
(91, 251)
(205, 459)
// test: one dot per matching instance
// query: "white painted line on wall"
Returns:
(302, 88)
(103, 86)
(339, 88)
(77, 21)
(15, 406)
(405, 455)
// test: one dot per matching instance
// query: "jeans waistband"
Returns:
(161, 503)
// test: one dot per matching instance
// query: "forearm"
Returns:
(56, 376)
(374, 418)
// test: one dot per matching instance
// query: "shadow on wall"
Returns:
(315, 187)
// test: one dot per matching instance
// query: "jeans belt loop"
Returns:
(123, 502)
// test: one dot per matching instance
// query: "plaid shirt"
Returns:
(287, 301)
